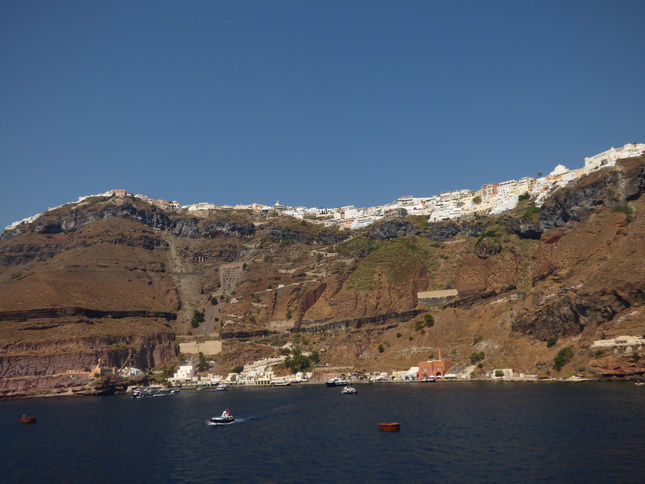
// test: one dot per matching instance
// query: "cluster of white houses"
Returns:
(257, 373)
(492, 198)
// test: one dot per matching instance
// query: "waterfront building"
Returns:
(433, 368)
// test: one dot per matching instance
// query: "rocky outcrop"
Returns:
(392, 229)
(46, 358)
(487, 248)
(574, 203)
(52, 386)
(306, 235)
(317, 327)
(572, 313)
(449, 229)
(30, 314)
(195, 228)
(70, 220)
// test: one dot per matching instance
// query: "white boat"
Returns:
(337, 382)
(428, 379)
(280, 383)
(225, 418)
(349, 390)
(222, 387)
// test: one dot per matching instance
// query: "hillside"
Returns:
(119, 279)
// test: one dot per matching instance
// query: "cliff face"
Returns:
(117, 279)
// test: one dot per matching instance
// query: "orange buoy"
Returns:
(389, 427)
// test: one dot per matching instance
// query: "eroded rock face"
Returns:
(487, 248)
(303, 236)
(192, 227)
(48, 358)
(575, 204)
(392, 229)
(573, 313)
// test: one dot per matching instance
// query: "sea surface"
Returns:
(449, 432)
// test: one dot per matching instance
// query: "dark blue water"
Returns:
(450, 432)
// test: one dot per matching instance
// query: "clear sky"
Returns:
(324, 103)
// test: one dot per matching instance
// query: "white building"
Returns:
(184, 374)
(609, 157)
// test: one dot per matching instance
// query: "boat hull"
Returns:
(221, 421)
(389, 427)
(337, 383)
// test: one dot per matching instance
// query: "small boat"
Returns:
(280, 383)
(349, 390)
(389, 427)
(639, 383)
(337, 382)
(222, 387)
(24, 419)
(225, 418)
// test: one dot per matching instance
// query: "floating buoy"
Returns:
(389, 427)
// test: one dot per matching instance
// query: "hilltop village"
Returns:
(490, 199)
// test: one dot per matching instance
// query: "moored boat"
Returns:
(225, 418)
(280, 383)
(349, 390)
(337, 382)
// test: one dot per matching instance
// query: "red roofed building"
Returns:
(433, 368)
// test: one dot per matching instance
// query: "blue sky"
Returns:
(310, 103)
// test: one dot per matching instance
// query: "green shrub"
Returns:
(562, 358)
(475, 357)
(624, 208)
(429, 319)
(477, 340)
(499, 373)
(380, 348)
(398, 335)
(551, 342)
(532, 211)
(198, 318)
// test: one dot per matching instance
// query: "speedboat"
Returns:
(337, 382)
(222, 387)
(349, 390)
(24, 419)
(225, 418)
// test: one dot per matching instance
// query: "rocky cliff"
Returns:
(119, 279)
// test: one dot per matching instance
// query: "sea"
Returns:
(465, 432)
